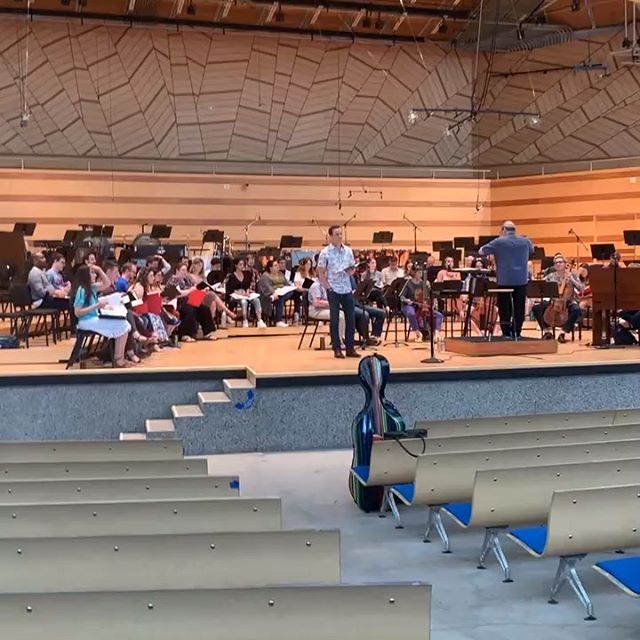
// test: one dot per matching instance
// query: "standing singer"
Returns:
(511, 253)
(336, 265)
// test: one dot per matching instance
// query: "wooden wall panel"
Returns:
(598, 206)
(295, 206)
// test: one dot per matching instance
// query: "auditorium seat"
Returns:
(572, 531)
(623, 572)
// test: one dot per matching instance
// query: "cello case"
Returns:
(377, 417)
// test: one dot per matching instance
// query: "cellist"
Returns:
(565, 308)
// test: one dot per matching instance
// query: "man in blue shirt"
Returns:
(511, 253)
(335, 267)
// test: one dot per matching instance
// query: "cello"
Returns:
(557, 313)
(377, 417)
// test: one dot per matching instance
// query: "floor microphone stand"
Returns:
(416, 228)
(432, 358)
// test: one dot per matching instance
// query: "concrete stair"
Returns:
(209, 403)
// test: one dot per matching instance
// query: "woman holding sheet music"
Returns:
(238, 289)
(91, 280)
(211, 299)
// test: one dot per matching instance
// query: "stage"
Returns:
(255, 391)
(273, 352)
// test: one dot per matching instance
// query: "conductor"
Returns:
(511, 253)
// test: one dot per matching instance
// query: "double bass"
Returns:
(377, 417)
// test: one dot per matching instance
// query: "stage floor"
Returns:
(274, 352)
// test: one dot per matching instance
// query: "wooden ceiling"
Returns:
(399, 20)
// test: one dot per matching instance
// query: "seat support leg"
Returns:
(434, 521)
(567, 573)
(492, 543)
(391, 501)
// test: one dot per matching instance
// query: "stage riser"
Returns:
(296, 417)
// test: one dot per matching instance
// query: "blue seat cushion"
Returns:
(625, 571)
(533, 538)
(461, 511)
(406, 491)
(361, 473)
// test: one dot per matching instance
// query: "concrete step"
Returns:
(186, 411)
(212, 397)
(133, 436)
(160, 426)
(237, 389)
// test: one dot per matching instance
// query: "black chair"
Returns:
(306, 320)
(47, 320)
(88, 345)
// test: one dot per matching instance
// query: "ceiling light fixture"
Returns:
(316, 14)
(272, 12)
(226, 9)
(279, 15)
(399, 21)
(132, 6)
(356, 20)
(379, 23)
(191, 9)
(443, 27)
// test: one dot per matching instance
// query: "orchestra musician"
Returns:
(377, 295)
(393, 271)
(511, 253)
(569, 286)
(415, 307)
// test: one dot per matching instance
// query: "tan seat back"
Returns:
(596, 519)
(140, 518)
(90, 450)
(523, 495)
(533, 438)
(121, 469)
(105, 489)
(158, 562)
(510, 424)
(393, 461)
(372, 612)
(449, 477)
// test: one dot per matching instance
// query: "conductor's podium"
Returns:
(477, 346)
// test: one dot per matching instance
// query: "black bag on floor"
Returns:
(623, 336)
(9, 342)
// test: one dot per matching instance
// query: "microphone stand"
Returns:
(432, 358)
(578, 243)
(246, 231)
(345, 224)
(416, 228)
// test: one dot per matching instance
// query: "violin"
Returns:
(377, 417)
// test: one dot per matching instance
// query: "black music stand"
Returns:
(160, 231)
(419, 258)
(447, 289)
(291, 242)
(394, 294)
(632, 239)
(441, 245)
(383, 237)
(482, 240)
(102, 231)
(602, 251)
(215, 236)
(27, 229)
(456, 254)
(538, 253)
(468, 243)
(432, 273)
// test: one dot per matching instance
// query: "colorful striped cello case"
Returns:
(378, 416)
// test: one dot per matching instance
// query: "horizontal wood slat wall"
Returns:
(286, 205)
(597, 205)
